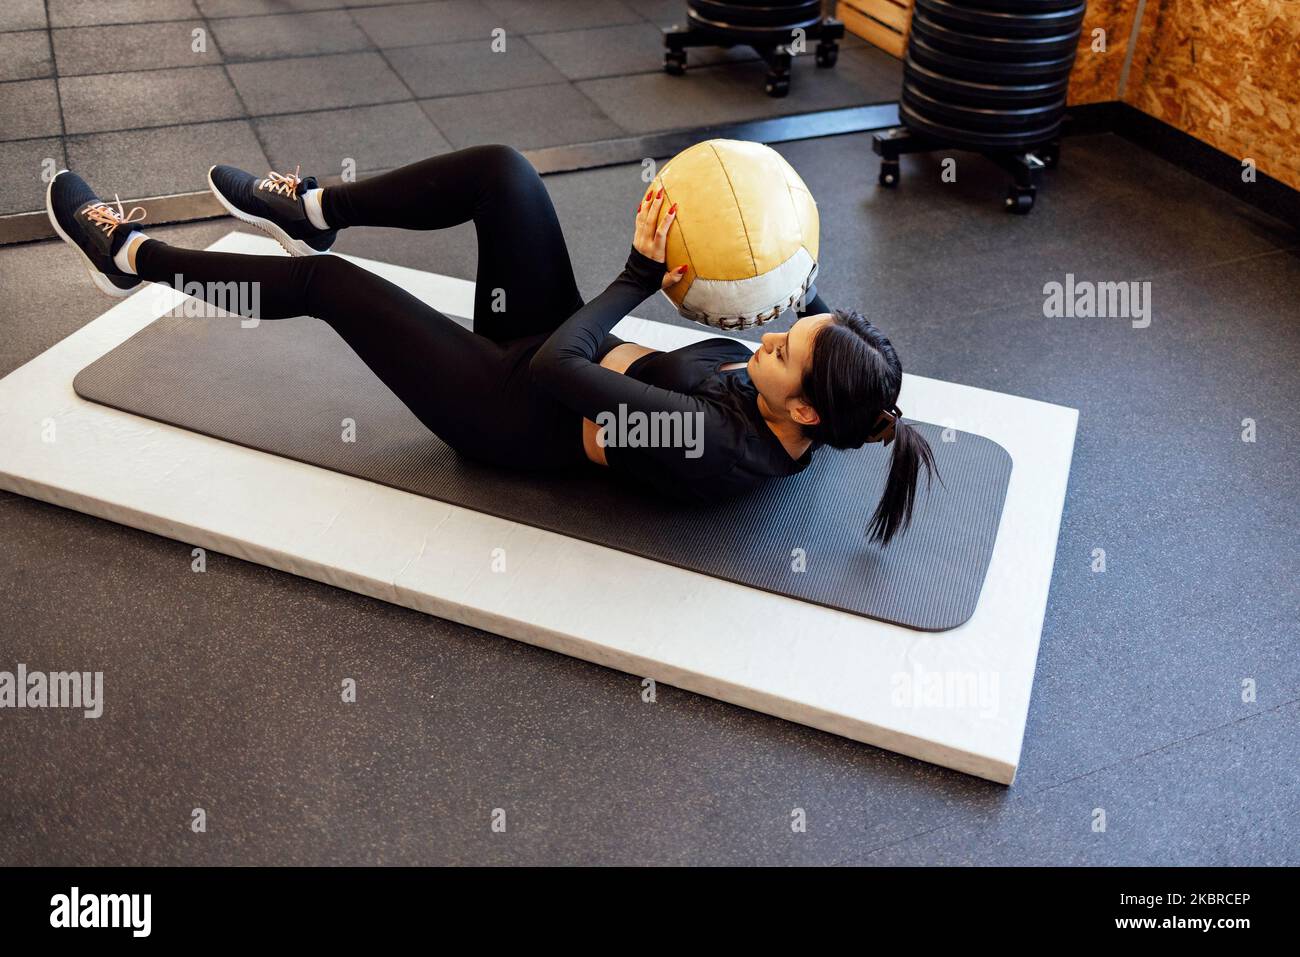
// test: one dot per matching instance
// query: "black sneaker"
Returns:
(273, 205)
(93, 228)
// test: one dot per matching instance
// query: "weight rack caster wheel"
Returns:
(675, 62)
(827, 54)
(889, 174)
(1020, 201)
(777, 86)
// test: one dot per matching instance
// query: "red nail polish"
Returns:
(681, 269)
(673, 208)
(661, 193)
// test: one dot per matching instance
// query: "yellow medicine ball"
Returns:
(746, 225)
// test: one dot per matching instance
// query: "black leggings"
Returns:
(472, 389)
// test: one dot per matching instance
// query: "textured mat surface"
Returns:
(286, 387)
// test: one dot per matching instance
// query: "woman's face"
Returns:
(777, 368)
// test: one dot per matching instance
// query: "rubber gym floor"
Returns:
(224, 688)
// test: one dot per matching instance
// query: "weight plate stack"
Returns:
(754, 16)
(990, 74)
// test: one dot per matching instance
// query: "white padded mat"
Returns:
(957, 698)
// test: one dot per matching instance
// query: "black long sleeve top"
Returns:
(733, 448)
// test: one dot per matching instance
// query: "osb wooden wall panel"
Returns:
(1095, 77)
(1227, 72)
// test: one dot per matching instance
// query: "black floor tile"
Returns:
(363, 137)
(25, 55)
(619, 50)
(526, 16)
(416, 24)
(250, 8)
(24, 163)
(471, 66)
(316, 83)
(30, 108)
(158, 162)
(23, 15)
(663, 13)
(129, 47)
(92, 104)
(1236, 803)
(295, 34)
(649, 102)
(85, 13)
(527, 118)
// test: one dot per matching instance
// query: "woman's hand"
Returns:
(652, 242)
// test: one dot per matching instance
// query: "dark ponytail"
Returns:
(853, 383)
(894, 510)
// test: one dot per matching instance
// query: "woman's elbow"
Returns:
(541, 366)
(554, 371)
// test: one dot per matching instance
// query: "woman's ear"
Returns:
(801, 412)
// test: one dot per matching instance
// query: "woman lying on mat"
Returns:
(540, 381)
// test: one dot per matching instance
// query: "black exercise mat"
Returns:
(285, 387)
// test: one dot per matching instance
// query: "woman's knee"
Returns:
(323, 279)
(505, 167)
(328, 269)
(501, 156)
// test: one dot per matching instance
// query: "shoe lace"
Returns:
(286, 184)
(108, 219)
